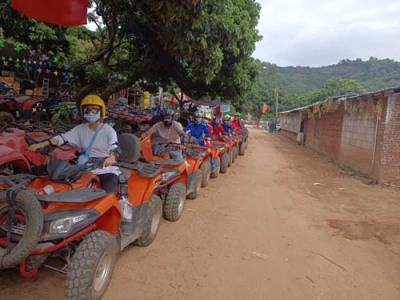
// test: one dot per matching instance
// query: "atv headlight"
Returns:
(64, 225)
(165, 177)
(221, 149)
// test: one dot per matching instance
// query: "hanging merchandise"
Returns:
(146, 100)
(225, 108)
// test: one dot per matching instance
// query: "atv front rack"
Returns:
(144, 169)
(14, 181)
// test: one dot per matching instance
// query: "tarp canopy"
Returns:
(59, 12)
(207, 101)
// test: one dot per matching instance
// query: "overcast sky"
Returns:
(320, 33)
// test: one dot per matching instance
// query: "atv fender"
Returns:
(110, 214)
(9, 155)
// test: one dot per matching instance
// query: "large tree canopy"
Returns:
(204, 46)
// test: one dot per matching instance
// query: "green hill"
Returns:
(374, 74)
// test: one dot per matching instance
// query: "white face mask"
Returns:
(91, 117)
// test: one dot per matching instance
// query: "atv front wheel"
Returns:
(205, 173)
(224, 162)
(26, 227)
(175, 202)
(91, 267)
(152, 221)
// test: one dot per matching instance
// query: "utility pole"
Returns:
(276, 102)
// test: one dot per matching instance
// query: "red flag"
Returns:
(264, 108)
(172, 101)
(60, 12)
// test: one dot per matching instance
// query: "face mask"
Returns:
(91, 117)
(167, 123)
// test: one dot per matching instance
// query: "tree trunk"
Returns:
(116, 88)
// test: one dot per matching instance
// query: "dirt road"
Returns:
(264, 230)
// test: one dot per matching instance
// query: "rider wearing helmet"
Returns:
(198, 130)
(104, 146)
(226, 125)
(217, 127)
(237, 123)
(169, 130)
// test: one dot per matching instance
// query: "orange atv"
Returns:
(210, 163)
(66, 215)
(225, 146)
(184, 178)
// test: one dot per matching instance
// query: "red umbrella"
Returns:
(60, 12)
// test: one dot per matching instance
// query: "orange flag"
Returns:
(60, 12)
(264, 108)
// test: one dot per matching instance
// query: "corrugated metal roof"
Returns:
(342, 97)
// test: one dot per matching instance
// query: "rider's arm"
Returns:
(114, 149)
(206, 131)
(35, 147)
(150, 131)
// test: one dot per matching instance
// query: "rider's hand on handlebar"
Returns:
(36, 147)
(109, 161)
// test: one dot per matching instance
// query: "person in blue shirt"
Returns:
(227, 126)
(198, 130)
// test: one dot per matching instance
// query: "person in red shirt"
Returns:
(217, 128)
(237, 123)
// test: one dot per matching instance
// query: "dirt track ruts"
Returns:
(264, 230)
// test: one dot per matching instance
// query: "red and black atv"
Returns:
(15, 156)
(22, 108)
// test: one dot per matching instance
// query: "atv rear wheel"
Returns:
(152, 221)
(199, 177)
(205, 173)
(91, 267)
(40, 116)
(224, 162)
(230, 161)
(235, 152)
(175, 201)
(215, 173)
(26, 229)
(242, 148)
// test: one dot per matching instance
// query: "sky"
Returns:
(321, 33)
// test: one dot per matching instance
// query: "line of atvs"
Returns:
(53, 213)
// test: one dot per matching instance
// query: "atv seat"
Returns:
(21, 99)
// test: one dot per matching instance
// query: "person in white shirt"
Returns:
(104, 147)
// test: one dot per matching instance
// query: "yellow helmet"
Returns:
(93, 100)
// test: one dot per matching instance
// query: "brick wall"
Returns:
(324, 133)
(358, 140)
(390, 147)
(362, 140)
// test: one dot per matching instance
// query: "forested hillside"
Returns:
(374, 74)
